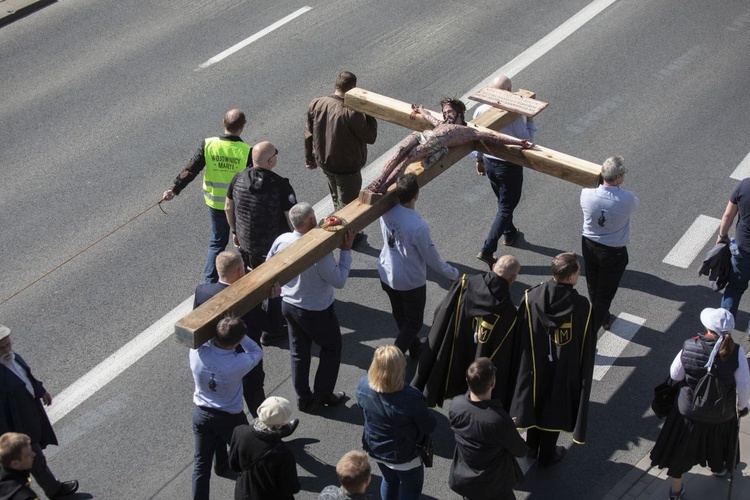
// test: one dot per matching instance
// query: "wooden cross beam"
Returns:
(239, 298)
(572, 169)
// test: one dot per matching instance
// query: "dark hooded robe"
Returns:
(475, 319)
(556, 345)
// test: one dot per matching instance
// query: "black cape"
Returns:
(478, 306)
(556, 345)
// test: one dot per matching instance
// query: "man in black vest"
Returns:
(257, 208)
(21, 411)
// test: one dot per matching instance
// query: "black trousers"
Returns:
(544, 442)
(604, 268)
(41, 473)
(305, 328)
(408, 310)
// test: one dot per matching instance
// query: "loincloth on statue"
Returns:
(433, 146)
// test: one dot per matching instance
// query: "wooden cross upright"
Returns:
(239, 298)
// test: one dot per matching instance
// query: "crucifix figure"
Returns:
(430, 145)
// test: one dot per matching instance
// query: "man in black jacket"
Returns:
(257, 208)
(21, 411)
(231, 268)
(16, 459)
(487, 441)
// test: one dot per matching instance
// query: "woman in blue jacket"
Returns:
(396, 421)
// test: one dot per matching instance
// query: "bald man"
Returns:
(223, 157)
(257, 209)
(475, 319)
(506, 180)
(258, 203)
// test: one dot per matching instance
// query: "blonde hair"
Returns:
(387, 370)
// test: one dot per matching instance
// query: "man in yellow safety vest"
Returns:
(223, 157)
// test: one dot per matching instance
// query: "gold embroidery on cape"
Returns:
(483, 327)
(563, 333)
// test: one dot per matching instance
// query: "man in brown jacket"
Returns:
(336, 140)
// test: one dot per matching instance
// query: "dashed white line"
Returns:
(742, 170)
(692, 242)
(613, 342)
(247, 41)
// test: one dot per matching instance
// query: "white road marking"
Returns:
(528, 56)
(107, 370)
(247, 41)
(103, 373)
(613, 342)
(742, 170)
(693, 241)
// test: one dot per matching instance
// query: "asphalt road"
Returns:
(103, 103)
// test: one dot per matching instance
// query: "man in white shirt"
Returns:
(407, 251)
(606, 233)
(307, 305)
(218, 367)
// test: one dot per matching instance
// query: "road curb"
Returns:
(10, 10)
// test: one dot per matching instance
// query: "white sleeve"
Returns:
(742, 378)
(677, 371)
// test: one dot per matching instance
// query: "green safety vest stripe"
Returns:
(223, 160)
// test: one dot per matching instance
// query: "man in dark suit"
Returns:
(21, 411)
(231, 268)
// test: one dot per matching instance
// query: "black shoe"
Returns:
(288, 428)
(66, 488)
(303, 405)
(416, 349)
(268, 339)
(559, 454)
(608, 322)
(487, 259)
(510, 241)
(332, 399)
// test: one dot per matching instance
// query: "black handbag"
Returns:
(664, 397)
(426, 452)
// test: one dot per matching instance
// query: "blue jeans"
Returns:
(219, 238)
(401, 484)
(506, 181)
(212, 430)
(738, 280)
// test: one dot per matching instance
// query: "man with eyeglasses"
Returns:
(606, 233)
(257, 210)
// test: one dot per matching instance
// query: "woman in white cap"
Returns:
(689, 436)
(267, 467)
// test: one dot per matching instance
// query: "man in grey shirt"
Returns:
(606, 233)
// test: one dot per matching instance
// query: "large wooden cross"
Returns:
(239, 298)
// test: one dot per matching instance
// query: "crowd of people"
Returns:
(507, 368)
